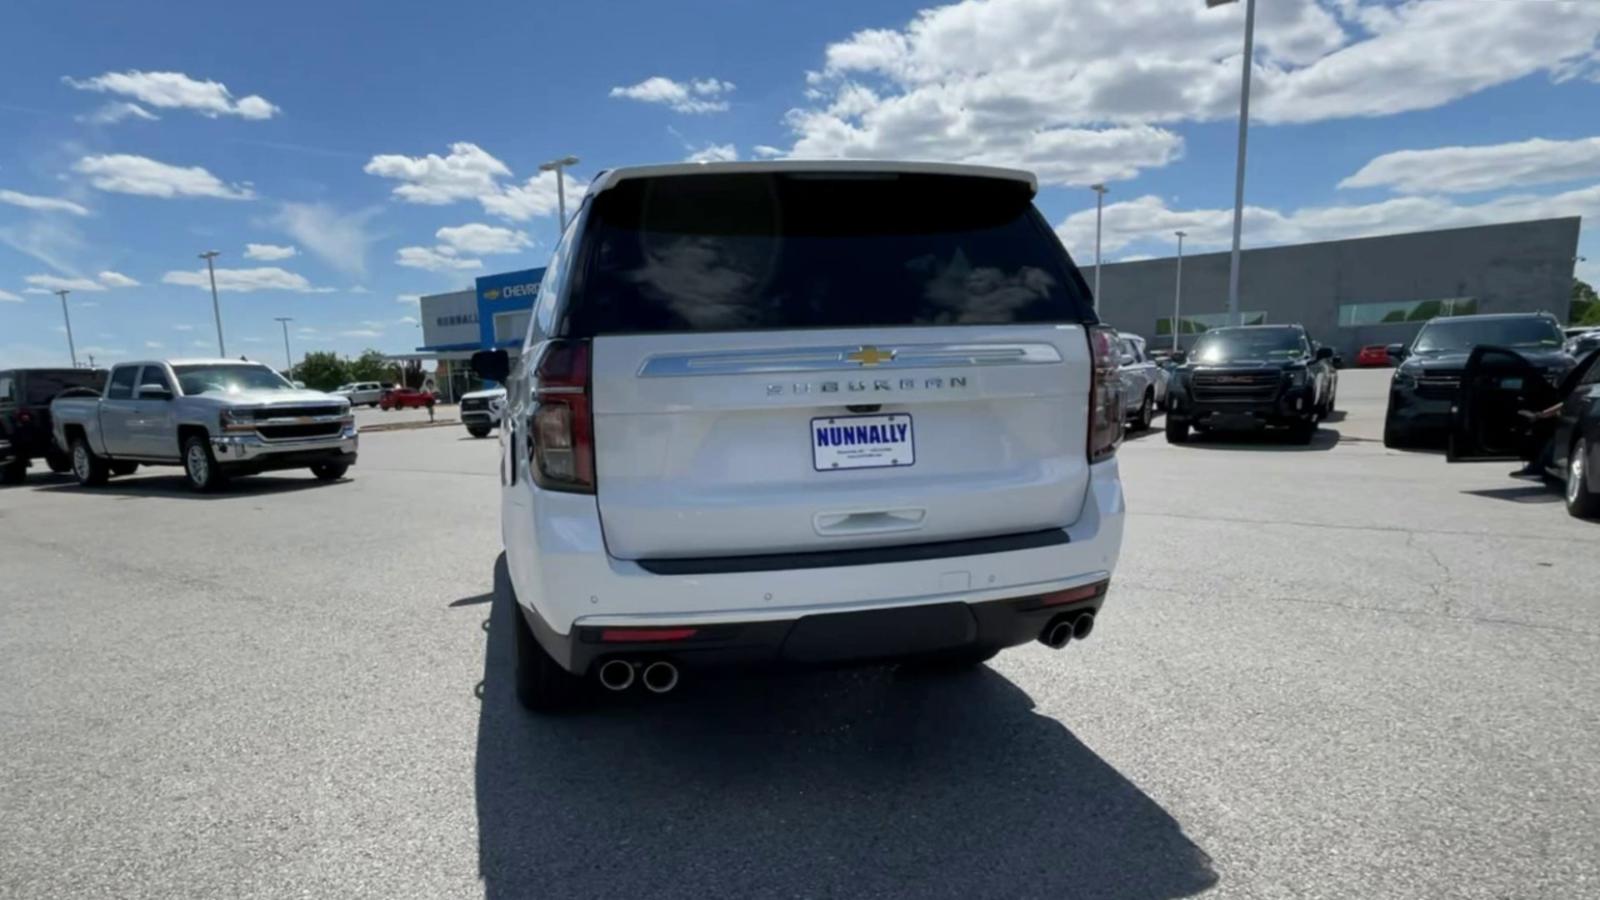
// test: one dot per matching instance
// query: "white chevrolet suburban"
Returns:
(803, 413)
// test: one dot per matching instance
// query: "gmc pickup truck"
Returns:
(215, 417)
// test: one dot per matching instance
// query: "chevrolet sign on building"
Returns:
(505, 304)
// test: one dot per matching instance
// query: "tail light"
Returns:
(1105, 394)
(561, 429)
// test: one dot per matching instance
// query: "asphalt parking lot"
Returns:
(1324, 671)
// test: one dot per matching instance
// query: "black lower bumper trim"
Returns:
(827, 639)
(298, 459)
(827, 559)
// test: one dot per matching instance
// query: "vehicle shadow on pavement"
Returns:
(178, 486)
(1525, 493)
(870, 782)
(1324, 439)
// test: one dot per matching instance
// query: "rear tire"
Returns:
(1177, 430)
(200, 465)
(542, 685)
(89, 469)
(1394, 437)
(330, 471)
(478, 431)
(1146, 413)
(1582, 503)
(124, 468)
(1303, 432)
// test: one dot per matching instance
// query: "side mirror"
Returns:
(1127, 359)
(153, 392)
(1324, 353)
(491, 365)
(1396, 351)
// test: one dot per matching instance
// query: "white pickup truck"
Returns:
(215, 417)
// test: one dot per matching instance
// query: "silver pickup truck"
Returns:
(214, 417)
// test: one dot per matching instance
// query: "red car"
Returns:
(402, 397)
(1373, 355)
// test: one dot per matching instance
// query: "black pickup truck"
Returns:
(25, 396)
(1251, 377)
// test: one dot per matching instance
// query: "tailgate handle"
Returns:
(869, 522)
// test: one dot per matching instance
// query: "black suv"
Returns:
(25, 396)
(1426, 383)
(1251, 377)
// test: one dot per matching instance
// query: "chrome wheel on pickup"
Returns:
(90, 470)
(200, 466)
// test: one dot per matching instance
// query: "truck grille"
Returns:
(315, 429)
(1438, 386)
(296, 412)
(472, 403)
(1244, 387)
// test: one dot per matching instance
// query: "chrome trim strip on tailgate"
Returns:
(838, 358)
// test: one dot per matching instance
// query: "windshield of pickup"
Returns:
(1465, 333)
(736, 252)
(229, 379)
(1226, 345)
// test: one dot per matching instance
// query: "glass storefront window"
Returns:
(1354, 314)
(1206, 321)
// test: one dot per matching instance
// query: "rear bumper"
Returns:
(251, 451)
(567, 582)
(824, 639)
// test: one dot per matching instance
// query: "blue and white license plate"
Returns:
(862, 442)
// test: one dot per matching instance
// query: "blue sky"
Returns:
(375, 151)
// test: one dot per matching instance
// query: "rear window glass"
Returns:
(44, 386)
(761, 251)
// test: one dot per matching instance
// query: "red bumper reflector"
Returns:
(643, 635)
(1072, 595)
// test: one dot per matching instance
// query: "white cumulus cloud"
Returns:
(479, 239)
(714, 153)
(116, 111)
(42, 204)
(175, 90)
(268, 252)
(48, 283)
(466, 173)
(8, 297)
(697, 95)
(116, 280)
(1460, 170)
(244, 281)
(434, 259)
(127, 174)
(1081, 92)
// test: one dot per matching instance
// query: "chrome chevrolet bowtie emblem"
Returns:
(870, 356)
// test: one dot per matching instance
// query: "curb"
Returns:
(407, 426)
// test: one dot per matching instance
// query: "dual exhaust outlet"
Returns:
(1065, 628)
(658, 676)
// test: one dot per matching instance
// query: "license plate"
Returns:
(862, 442)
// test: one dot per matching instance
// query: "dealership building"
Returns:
(493, 313)
(1350, 293)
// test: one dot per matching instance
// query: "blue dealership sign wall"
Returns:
(506, 292)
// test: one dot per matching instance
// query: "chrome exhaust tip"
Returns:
(616, 675)
(1082, 626)
(1057, 633)
(660, 677)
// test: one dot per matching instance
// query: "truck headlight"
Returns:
(238, 420)
(1297, 377)
(1404, 381)
(1556, 376)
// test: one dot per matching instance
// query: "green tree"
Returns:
(323, 371)
(1585, 308)
(371, 366)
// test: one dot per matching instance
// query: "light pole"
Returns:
(1177, 292)
(556, 165)
(288, 359)
(1099, 207)
(216, 308)
(71, 348)
(1244, 130)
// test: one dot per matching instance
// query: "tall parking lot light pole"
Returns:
(1099, 209)
(216, 308)
(1177, 292)
(556, 166)
(288, 359)
(1244, 130)
(72, 349)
